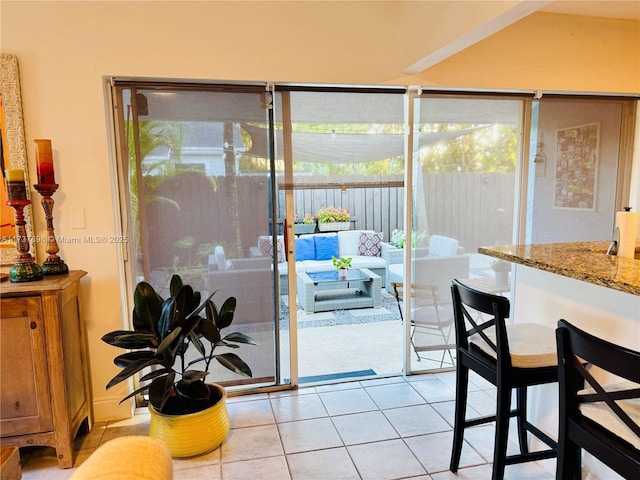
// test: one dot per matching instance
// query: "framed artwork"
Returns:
(14, 154)
(577, 156)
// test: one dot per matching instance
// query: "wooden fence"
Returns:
(475, 208)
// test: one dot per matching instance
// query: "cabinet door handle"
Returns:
(33, 325)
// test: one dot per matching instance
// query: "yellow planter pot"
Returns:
(195, 433)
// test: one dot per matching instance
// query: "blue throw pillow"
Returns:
(305, 248)
(326, 247)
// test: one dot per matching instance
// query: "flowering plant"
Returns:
(342, 262)
(308, 219)
(333, 214)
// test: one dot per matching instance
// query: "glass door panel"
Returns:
(195, 207)
(466, 157)
(346, 151)
(575, 176)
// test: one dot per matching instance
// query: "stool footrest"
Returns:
(530, 457)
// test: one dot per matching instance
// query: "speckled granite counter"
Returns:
(584, 261)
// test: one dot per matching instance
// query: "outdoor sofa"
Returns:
(314, 252)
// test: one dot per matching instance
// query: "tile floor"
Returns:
(384, 428)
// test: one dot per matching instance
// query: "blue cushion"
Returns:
(326, 247)
(305, 248)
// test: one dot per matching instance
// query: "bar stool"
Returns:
(602, 419)
(508, 356)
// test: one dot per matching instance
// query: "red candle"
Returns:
(44, 162)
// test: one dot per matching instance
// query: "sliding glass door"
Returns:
(197, 204)
(224, 185)
(345, 150)
(465, 170)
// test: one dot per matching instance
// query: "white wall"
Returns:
(66, 49)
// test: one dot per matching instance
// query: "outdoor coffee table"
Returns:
(325, 291)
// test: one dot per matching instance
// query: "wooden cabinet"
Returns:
(44, 376)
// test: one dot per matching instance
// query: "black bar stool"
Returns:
(598, 418)
(508, 356)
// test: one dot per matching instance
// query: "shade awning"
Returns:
(343, 147)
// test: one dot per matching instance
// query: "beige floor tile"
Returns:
(300, 407)
(343, 402)
(394, 395)
(364, 427)
(306, 435)
(250, 414)
(416, 420)
(251, 443)
(273, 468)
(334, 463)
(399, 461)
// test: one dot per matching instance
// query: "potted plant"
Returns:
(308, 224)
(333, 218)
(169, 338)
(341, 264)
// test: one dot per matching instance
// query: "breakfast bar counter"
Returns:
(577, 282)
(586, 261)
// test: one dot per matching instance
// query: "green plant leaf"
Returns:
(130, 340)
(209, 331)
(234, 363)
(197, 343)
(132, 368)
(154, 374)
(166, 318)
(191, 376)
(160, 390)
(193, 390)
(184, 301)
(134, 393)
(127, 358)
(169, 339)
(147, 306)
(240, 338)
(175, 285)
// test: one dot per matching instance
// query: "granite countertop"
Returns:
(584, 261)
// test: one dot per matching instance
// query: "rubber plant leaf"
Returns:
(129, 357)
(166, 318)
(193, 390)
(169, 339)
(183, 305)
(160, 389)
(234, 363)
(136, 392)
(147, 308)
(209, 331)
(239, 337)
(226, 312)
(129, 340)
(132, 368)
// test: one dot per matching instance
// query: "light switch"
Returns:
(78, 219)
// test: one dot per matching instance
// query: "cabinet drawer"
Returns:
(25, 405)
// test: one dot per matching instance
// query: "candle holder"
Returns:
(53, 265)
(25, 269)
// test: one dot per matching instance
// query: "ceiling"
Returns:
(629, 9)
(621, 9)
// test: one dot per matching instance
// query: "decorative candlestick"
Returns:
(25, 269)
(46, 187)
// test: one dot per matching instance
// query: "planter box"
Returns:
(300, 228)
(334, 226)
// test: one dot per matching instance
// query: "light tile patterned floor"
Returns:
(377, 429)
